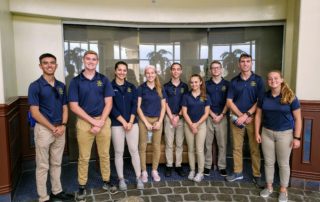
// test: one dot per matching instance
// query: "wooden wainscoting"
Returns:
(10, 145)
(306, 159)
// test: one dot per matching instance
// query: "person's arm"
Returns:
(158, 123)
(36, 114)
(62, 128)
(141, 114)
(75, 108)
(186, 116)
(297, 128)
(204, 116)
(257, 124)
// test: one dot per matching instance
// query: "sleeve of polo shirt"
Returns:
(33, 94)
(208, 100)
(260, 102)
(295, 104)
(261, 89)
(108, 90)
(164, 94)
(230, 94)
(64, 98)
(73, 93)
(184, 100)
(134, 102)
(114, 111)
(139, 91)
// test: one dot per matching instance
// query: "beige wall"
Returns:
(8, 85)
(34, 36)
(308, 71)
(167, 11)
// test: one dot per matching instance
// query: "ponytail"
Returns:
(158, 86)
(287, 95)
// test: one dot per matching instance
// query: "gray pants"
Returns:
(172, 134)
(218, 131)
(277, 145)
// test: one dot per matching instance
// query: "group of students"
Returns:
(138, 115)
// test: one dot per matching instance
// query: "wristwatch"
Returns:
(249, 114)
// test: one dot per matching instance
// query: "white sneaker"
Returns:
(140, 184)
(122, 185)
(144, 176)
(155, 176)
(191, 175)
(198, 177)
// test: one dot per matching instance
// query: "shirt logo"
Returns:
(129, 90)
(253, 83)
(201, 99)
(99, 83)
(182, 90)
(223, 88)
(60, 90)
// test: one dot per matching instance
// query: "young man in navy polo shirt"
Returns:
(173, 123)
(244, 91)
(217, 89)
(48, 106)
(90, 98)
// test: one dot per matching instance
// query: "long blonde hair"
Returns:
(156, 80)
(287, 95)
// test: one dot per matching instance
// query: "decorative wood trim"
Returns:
(310, 110)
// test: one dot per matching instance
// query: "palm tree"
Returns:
(157, 57)
(230, 62)
(74, 57)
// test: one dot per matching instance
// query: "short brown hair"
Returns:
(215, 62)
(91, 52)
(245, 55)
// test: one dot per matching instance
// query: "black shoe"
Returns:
(81, 195)
(258, 182)
(223, 172)
(206, 172)
(180, 172)
(168, 171)
(61, 196)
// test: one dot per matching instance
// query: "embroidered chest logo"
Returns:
(253, 83)
(201, 99)
(60, 90)
(223, 88)
(99, 83)
(129, 90)
(182, 90)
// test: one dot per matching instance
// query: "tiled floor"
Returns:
(175, 188)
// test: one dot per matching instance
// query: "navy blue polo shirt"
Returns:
(277, 116)
(195, 106)
(151, 101)
(245, 93)
(174, 95)
(90, 94)
(124, 102)
(49, 99)
(218, 94)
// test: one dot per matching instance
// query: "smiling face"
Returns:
(90, 61)
(275, 80)
(216, 70)
(245, 64)
(195, 83)
(48, 65)
(121, 72)
(176, 71)
(150, 74)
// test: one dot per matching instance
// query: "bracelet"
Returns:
(297, 138)
(64, 124)
(249, 114)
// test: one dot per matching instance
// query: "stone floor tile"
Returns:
(225, 190)
(159, 184)
(118, 195)
(223, 197)
(188, 183)
(217, 183)
(149, 191)
(174, 198)
(207, 197)
(173, 184)
(158, 198)
(211, 189)
(257, 199)
(242, 191)
(134, 192)
(203, 183)
(195, 190)
(102, 197)
(191, 197)
(180, 190)
(165, 190)
(238, 197)
(232, 184)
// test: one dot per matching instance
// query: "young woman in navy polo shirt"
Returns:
(280, 116)
(124, 123)
(195, 110)
(151, 111)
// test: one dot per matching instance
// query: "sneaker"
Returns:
(283, 197)
(155, 176)
(144, 176)
(258, 182)
(234, 177)
(223, 172)
(198, 177)
(265, 192)
(81, 195)
(180, 172)
(140, 184)
(168, 171)
(122, 185)
(191, 175)
(206, 172)
(61, 196)
(108, 186)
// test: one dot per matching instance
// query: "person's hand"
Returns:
(95, 130)
(55, 131)
(156, 125)
(258, 138)
(296, 143)
(98, 123)
(148, 126)
(248, 120)
(218, 118)
(60, 130)
(241, 119)
(175, 121)
(129, 126)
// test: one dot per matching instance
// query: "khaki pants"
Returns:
(238, 137)
(119, 136)
(196, 140)
(172, 133)
(49, 151)
(276, 145)
(156, 142)
(85, 141)
(219, 132)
